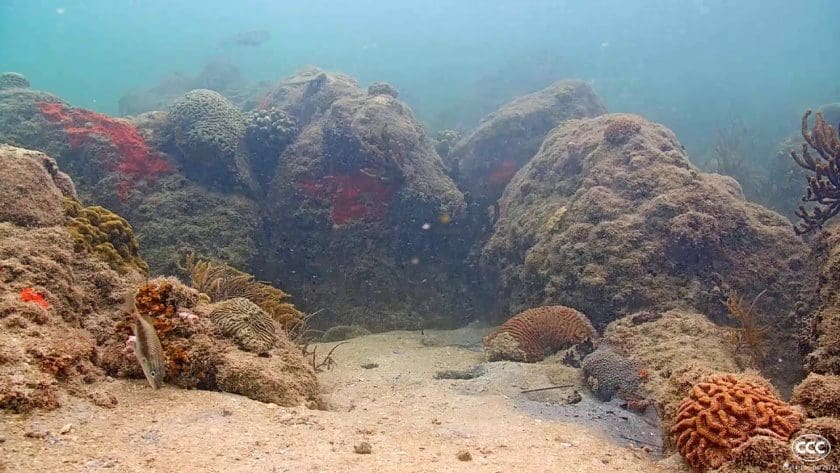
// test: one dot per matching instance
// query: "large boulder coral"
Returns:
(610, 217)
(487, 158)
(361, 207)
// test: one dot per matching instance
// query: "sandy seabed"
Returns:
(412, 421)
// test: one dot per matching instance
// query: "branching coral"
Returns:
(722, 412)
(824, 184)
(107, 235)
(222, 282)
(535, 333)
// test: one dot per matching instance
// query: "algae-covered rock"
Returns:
(488, 157)
(612, 226)
(9, 80)
(360, 201)
(29, 193)
(822, 334)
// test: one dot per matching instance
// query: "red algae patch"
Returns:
(29, 295)
(352, 197)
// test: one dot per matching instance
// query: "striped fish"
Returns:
(147, 346)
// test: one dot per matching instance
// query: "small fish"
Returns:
(147, 346)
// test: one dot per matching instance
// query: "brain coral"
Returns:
(722, 412)
(608, 372)
(10, 80)
(535, 333)
(206, 127)
(107, 235)
(244, 321)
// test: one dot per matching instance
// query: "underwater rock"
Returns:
(361, 207)
(754, 410)
(343, 332)
(823, 324)
(29, 192)
(819, 395)
(9, 80)
(383, 88)
(533, 334)
(487, 158)
(615, 227)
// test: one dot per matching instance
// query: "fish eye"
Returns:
(153, 373)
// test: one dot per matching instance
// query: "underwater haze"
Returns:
(693, 65)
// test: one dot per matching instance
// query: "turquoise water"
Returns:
(694, 65)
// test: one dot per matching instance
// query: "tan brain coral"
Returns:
(533, 334)
(244, 322)
(723, 412)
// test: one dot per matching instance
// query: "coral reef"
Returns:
(383, 88)
(535, 333)
(101, 232)
(9, 80)
(819, 395)
(609, 373)
(245, 322)
(822, 331)
(487, 158)
(35, 199)
(124, 150)
(722, 412)
(824, 184)
(613, 229)
(620, 130)
(444, 142)
(360, 200)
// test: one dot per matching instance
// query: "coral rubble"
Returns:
(722, 412)
(535, 333)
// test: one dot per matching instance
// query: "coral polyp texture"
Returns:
(819, 395)
(107, 235)
(723, 412)
(247, 324)
(533, 334)
(820, 154)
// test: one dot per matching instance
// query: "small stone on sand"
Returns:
(363, 448)
(464, 456)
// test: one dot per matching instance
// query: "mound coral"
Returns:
(124, 150)
(383, 88)
(10, 80)
(620, 130)
(824, 185)
(206, 125)
(535, 333)
(107, 235)
(244, 322)
(609, 372)
(267, 133)
(819, 395)
(722, 412)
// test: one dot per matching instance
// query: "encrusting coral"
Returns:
(824, 185)
(246, 323)
(107, 235)
(723, 412)
(533, 334)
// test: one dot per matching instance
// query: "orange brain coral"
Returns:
(721, 413)
(535, 333)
